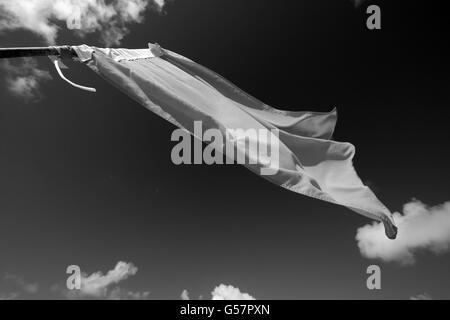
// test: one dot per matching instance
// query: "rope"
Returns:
(56, 63)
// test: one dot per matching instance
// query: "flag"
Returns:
(184, 93)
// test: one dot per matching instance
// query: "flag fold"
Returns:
(183, 92)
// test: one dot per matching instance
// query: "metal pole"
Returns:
(62, 51)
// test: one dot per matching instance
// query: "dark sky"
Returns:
(87, 179)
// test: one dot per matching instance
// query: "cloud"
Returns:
(420, 228)
(224, 292)
(22, 287)
(102, 286)
(96, 284)
(30, 288)
(357, 3)
(9, 296)
(109, 18)
(121, 294)
(423, 296)
(185, 295)
(24, 79)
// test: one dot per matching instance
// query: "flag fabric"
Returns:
(183, 92)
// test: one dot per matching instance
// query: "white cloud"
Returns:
(21, 287)
(185, 295)
(103, 286)
(224, 292)
(121, 294)
(30, 288)
(423, 296)
(357, 3)
(110, 18)
(419, 228)
(9, 296)
(24, 79)
(97, 283)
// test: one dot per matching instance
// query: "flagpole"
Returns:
(58, 51)
(62, 51)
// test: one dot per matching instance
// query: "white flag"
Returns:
(184, 92)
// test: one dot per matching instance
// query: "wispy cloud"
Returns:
(122, 294)
(21, 285)
(184, 295)
(357, 3)
(420, 228)
(9, 296)
(24, 78)
(104, 286)
(222, 292)
(44, 17)
(228, 292)
(27, 287)
(423, 296)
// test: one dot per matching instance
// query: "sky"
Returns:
(87, 179)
